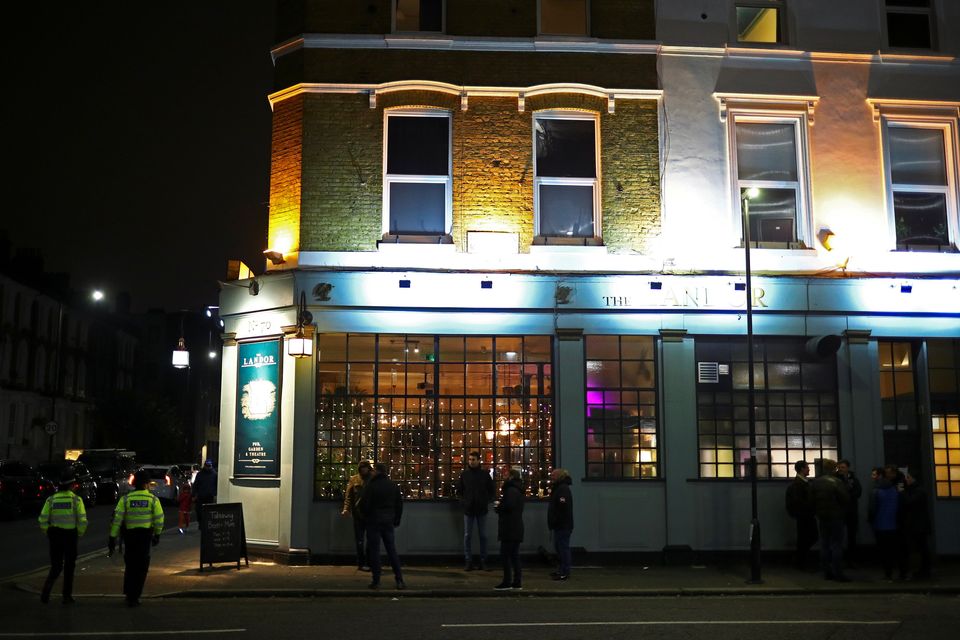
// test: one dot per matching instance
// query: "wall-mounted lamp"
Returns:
(827, 238)
(181, 357)
(97, 295)
(404, 284)
(274, 256)
(299, 346)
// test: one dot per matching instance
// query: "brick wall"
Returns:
(283, 229)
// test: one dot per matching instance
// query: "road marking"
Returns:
(651, 623)
(101, 634)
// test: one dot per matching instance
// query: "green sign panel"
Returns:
(257, 449)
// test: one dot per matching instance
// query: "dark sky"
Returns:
(138, 142)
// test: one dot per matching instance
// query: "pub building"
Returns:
(517, 227)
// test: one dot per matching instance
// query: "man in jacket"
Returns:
(883, 515)
(63, 519)
(382, 507)
(800, 507)
(510, 530)
(852, 519)
(560, 520)
(140, 513)
(915, 524)
(475, 488)
(351, 506)
(830, 501)
(204, 489)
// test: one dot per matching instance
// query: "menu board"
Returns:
(222, 536)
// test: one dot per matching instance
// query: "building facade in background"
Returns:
(517, 228)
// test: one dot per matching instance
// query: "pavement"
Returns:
(175, 572)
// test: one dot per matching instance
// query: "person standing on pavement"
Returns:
(830, 503)
(852, 519)
(204, 489)
(799, 501)
(510, 530)
(351, 506)
(476, 490)
(141, 515)
(882, 513)
(915, 524)
(63, 519)
(560, 520)
(382, 506)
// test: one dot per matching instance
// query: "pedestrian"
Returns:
(830, 504)
(204, 489)
(141, 514)
(915, 524)
(560, 520)
(63, 519)
(351, 507)
(185, 503)
(799, 500)
(382, 507)
(883, 515)
(852, 520)
(510, 530)
(476, 490)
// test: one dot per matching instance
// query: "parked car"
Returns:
(85, 485)
(165, 481)
(110, 468)
(189, 470)
(22, 489)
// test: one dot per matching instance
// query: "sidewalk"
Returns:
(174, 572)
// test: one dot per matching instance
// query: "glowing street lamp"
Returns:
(97, 295)
(300, 346)
(181, 357)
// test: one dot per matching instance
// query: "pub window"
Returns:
(417, 183)
(565, 169)
(621, 398)
(760, 22)
(421, 403)
(564, 17)
(418, 15)
(909, 24)
(944, 370)
(795, 399)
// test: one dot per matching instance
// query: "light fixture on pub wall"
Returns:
(275, 257)
(834, 244)
(300, 346)
(181, 357)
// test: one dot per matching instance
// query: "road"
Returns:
(23, 548)
(718, 618)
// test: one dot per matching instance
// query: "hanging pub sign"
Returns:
(257, 448)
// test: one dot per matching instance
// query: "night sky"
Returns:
(138, 139)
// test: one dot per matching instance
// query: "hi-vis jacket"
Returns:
(137, 510)
(64, 510)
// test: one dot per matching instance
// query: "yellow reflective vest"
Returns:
(64, 510)
(137, 510)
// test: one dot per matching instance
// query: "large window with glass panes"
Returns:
(944, 368)
(421, 403)
(621, 398)
(795, 397)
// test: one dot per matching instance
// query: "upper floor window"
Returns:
(564, 17)
(769, 158)
(418, 15)
(417, 183)
(566, 188)
(909, 24)
(761, 22)
(921, 189)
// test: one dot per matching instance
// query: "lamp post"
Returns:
(745, 196)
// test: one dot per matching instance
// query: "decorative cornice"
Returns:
(899, 107)
(742, 53)
(766, 101)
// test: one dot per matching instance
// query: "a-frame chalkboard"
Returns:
(222, 536)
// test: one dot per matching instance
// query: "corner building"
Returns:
(516, 227)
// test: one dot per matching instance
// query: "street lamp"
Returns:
(745, 196)
(300, 346)
(97, 295)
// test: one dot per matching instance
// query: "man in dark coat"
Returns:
(830, 503)
(204, 489)
(382, 507)
(852, 520)
(560, 520)
(510, 530)
(475, 488)
(800, 507)
(915, 524)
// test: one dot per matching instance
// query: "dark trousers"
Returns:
(359, 531)
(806, 538)
(481, 522)
(831, 547)
(561, 542)
(376, 532)
(890, 545)
(510, 557)
(136, 558)
(852, 525)
(63, 558)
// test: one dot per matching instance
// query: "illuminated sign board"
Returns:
(256, 449)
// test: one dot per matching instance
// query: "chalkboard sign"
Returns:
(222, 536)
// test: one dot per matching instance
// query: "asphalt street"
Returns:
(715, 618)
(23, 548)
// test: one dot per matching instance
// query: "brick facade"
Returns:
(283, 229)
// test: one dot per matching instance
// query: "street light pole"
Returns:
(751, 409)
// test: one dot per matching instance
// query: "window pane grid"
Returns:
(944, 369)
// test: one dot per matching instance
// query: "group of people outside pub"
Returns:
(826, 508)
(375, 503)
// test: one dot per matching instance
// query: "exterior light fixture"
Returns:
(300, 346)
(274, 256)
(97, 295)
(828, 239)
(181, 357)
(212, 355)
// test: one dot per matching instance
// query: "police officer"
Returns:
(63, 518)
(139, 512)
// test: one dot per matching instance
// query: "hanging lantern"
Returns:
(181, 357)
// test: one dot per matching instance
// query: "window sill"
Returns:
(800, 249)
(442, 243)
(542, 244)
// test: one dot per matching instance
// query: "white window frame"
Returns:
(541, 32)
(783, 36)
(799, 120)
(393, 19)
(951, 152)
(389, 179)
(563, 114)
(930, 11)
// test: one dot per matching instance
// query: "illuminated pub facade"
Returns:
(516, 228)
